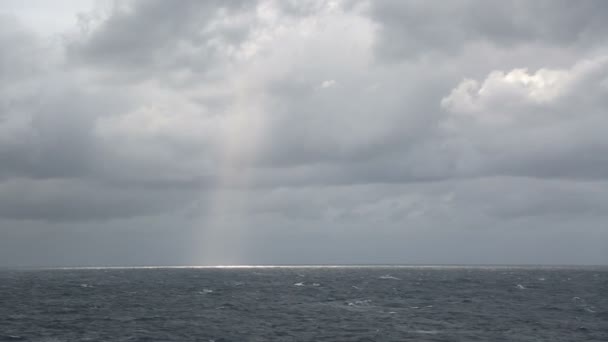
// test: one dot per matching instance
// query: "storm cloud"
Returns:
(189, 132)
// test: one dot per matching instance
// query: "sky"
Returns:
(303, 132)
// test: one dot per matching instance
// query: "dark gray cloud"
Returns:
(144, 39)
(247, 132)
(414, 28)
(60, 200)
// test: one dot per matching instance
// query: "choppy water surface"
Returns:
(305, 304)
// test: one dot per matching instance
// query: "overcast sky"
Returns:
(282, 132)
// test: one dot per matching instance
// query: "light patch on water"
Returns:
(245, 266)
(426, 332)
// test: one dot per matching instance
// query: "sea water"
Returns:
(305, 304)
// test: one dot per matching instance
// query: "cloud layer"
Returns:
(306, 132)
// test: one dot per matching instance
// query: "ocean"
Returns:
(305, 304)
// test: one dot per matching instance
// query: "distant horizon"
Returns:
(262, 266)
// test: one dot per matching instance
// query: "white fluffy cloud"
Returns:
(502, 93)
(547, 123)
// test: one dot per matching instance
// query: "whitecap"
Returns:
(363, 302)
(388, 276)
(521, 287)
(298, 284)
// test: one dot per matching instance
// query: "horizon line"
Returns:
(269, 266)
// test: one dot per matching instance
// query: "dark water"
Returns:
(305, 304)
